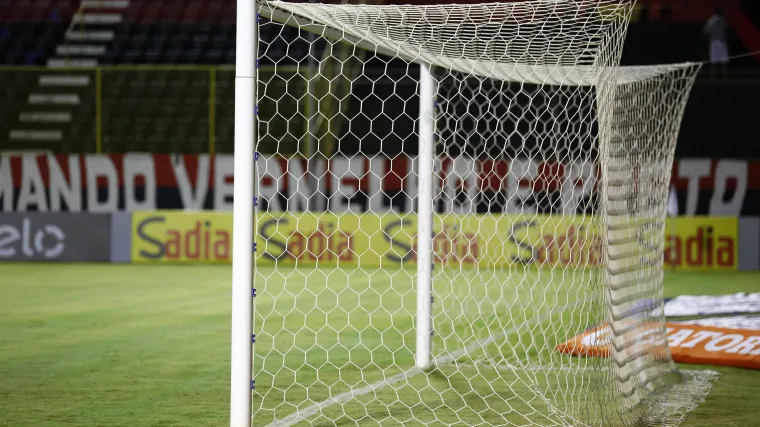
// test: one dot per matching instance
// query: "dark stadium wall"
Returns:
(720, 121)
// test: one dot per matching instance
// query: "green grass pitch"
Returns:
(108, 345)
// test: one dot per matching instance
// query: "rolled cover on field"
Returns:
(688, 343)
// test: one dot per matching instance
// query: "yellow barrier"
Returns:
(175, 236)
(387, 240)
(369, 240)
(702, 243)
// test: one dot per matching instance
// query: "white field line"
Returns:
(314, 409)
(524, 368)
(303, 415)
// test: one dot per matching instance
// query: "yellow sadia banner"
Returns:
(372, 240)
(369, 240)
(702, 243)
(174, 236)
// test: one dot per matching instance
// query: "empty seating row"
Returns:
(29, 44)
(202, 32)
(35, 11)
(33, 44)
(177, 44)
(159, 111)
(221, 12)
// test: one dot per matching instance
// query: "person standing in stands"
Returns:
(716, 30)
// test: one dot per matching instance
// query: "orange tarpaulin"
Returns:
(689, 343)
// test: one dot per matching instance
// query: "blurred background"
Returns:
(154, 75)
(121, 77)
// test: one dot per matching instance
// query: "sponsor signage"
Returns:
(54, 237)
(369, 240)
(717, 187)
(181, 237)
(702, 243)
(133, 182)
(689, 343)
(377, 240)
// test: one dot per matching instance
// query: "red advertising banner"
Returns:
(129, 182)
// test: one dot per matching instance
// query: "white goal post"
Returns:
(447, 195)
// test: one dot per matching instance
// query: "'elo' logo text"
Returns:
(46, 241)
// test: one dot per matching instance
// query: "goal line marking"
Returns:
(314, 409)
(303, 415)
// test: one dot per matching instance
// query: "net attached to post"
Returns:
(648, 106)
(551, 173)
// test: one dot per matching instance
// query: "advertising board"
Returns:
(387, 240)
(55, 237)
(369, 240)
(133, 182)
(702, 243)
(173, 236)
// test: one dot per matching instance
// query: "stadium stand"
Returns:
(665, 31)
(70, 106)
(202, 31)
(138, 110)
(31, 29)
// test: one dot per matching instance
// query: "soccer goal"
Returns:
(441, 196)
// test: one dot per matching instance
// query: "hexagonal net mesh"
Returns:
(431, 233)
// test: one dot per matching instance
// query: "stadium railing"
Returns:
(188, 109)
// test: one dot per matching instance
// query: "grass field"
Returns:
(105, 345)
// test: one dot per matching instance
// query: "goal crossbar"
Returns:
(315, 18)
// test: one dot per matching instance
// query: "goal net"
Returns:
(445, 194)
